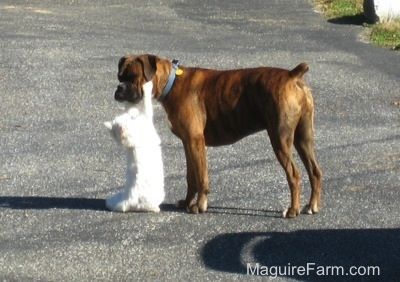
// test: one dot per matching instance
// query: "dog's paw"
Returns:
(290, 213)
(193, 207)
(198, 207)
(155, 210)
(189, 207)
(181, 204)
(116, 203)
(308, 209)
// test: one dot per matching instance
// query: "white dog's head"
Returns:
(133, 131)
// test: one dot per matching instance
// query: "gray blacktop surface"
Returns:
(58, 73)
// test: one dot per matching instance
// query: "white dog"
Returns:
(144, 184)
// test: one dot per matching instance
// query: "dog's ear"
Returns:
(121, 62)
(149, 66)
(108, 124)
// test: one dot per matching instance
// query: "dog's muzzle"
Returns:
(120, 93)
(127, 93)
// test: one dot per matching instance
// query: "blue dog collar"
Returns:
(171, 79)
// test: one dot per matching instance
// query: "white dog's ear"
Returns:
(108, 124)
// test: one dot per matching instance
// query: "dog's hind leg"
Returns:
(304, 143)
(282, 143)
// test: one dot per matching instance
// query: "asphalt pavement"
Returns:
(58, 72)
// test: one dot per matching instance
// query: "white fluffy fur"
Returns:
(135, 131)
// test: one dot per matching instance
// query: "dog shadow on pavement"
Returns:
(329, 255)
(42, 203)
(358, 19)
(39, 203)
(36, 202)
(244, 211)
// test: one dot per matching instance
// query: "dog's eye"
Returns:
(131, 77)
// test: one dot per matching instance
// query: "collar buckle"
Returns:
(171, 79)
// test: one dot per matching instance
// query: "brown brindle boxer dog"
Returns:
(211, 108)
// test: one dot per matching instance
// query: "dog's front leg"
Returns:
(197, 174)
(191, 182)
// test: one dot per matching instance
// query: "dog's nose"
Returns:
(119, 93)
(121, 87)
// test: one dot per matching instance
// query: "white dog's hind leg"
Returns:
(117, 202)
(125, 202)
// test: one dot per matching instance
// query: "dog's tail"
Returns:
(299, 71)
